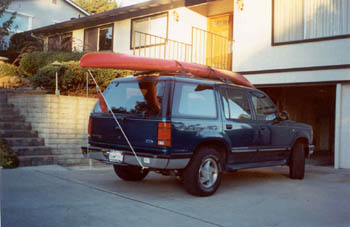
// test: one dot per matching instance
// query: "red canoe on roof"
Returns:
(130, 62)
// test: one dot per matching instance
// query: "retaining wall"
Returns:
(61, 120)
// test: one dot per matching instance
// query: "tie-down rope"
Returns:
(116, 120)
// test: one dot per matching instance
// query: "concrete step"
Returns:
(24, 142)
(18, 133)
(3, 98)
(31, 151)
(15, 125)
(6, 105)
(11, 118)
(10, 111)
(37, 160)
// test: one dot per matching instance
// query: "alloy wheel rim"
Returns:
(208, 173)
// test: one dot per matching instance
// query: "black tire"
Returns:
(130, 173)
(194, 180)
(297, 162)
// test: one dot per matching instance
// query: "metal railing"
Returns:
(206, 48)
(211, 49)
(148, 45)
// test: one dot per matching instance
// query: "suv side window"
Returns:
(236, 104)
(265, 109)
(194, 100)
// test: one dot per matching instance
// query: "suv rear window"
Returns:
(193, 100)
(136, 97)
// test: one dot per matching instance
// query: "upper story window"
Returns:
(193, 100)
(98, 39)
(60, 42)
(156, 25)
(308, 20)
(236, 105)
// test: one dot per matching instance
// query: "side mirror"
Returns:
(284, 115)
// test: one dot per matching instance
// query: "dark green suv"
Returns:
(194, 129)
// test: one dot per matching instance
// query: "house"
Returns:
(32, 14)
(297, 51)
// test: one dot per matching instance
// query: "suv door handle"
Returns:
(228, 126)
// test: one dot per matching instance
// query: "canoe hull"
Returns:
(130, 62)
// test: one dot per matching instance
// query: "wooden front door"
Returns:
(219, 41)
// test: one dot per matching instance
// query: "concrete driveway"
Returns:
(57, 196)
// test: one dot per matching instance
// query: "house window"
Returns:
(98, 39)
(301, 20)
(60, 42)
(156, 25)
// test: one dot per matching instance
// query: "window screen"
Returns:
(144, 28)
(309, 19)
(90, 39)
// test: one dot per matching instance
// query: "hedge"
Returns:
(8, 70)
(72, 77)
(32, 62)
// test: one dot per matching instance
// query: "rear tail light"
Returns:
(164, 134)
(90, 126)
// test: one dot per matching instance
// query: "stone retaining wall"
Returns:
(61, 120)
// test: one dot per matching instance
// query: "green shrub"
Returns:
(72, 77)
(8, 158)
(8, 70)
(32, 62)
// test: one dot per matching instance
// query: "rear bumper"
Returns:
(154, 162)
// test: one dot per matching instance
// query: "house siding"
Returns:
(253, 49)
(44, 12)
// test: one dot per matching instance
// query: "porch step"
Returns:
(31, 151)
(24, 142)
(36, 160)
(9, 111)
(15, 125)
(11, 118)
(13, 133)
(4, 105)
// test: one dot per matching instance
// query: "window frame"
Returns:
(98, 36)
(178, 115)
(252, 106)
(223, 92)
(273, 43)
(140, 18)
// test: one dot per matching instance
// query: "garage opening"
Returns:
(314, 105)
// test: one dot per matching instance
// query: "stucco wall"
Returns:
(253, 50)
(61, 120)
(44, 12)
(180, 30)
(342, 134)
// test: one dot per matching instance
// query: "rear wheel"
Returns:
(297, 162)
(130, 173)
(202, 176)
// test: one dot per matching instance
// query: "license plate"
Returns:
(115, 156)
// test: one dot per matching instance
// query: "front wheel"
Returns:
(202, 176)
(297, 162)
(130, 173)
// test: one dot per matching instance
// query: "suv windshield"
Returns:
(136, 97)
